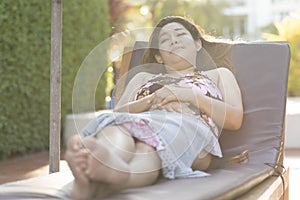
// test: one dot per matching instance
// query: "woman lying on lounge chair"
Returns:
(168, 122)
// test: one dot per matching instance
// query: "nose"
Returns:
(174, 40)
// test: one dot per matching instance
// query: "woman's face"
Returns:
(177, 46)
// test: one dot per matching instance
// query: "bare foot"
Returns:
(76, 156)
(105, 166)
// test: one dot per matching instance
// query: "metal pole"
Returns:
(55, 85)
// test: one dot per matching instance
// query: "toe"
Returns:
(75, 143)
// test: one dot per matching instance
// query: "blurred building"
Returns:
(250, 16)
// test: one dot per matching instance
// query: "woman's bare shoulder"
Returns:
(144, 74)
(218, 70)
(218, 73)
(213, 74)
(141, 77)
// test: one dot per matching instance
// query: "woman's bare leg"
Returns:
(144, 170)
(145, 167)
(202, 161)
(111, 151)
(140, 163)
(113, 162)
(76, 156)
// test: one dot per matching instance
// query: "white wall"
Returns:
(292, 123)
(260, 13)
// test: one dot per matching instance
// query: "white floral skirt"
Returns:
(178, 138)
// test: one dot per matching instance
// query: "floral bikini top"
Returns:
(197, 80)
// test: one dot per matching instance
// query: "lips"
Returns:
(175, 48)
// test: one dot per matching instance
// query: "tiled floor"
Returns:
(37, 165)
(27, 167)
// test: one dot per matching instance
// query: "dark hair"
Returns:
(153, 47)
(214, 53)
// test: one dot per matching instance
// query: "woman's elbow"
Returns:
(236, 120)
(238, 124)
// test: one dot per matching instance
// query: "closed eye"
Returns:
(181, 34)
(166, 39)
(163, 41)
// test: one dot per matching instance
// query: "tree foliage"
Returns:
(207, 14)
(289, 30)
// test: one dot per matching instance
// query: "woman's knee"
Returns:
(147, 158)
(142, 147)
(118, 139)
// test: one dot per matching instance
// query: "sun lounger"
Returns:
(262, 72)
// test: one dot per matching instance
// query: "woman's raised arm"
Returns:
(229, 112)
(127, 102)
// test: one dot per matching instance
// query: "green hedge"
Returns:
(25, 66)
(86, 24)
